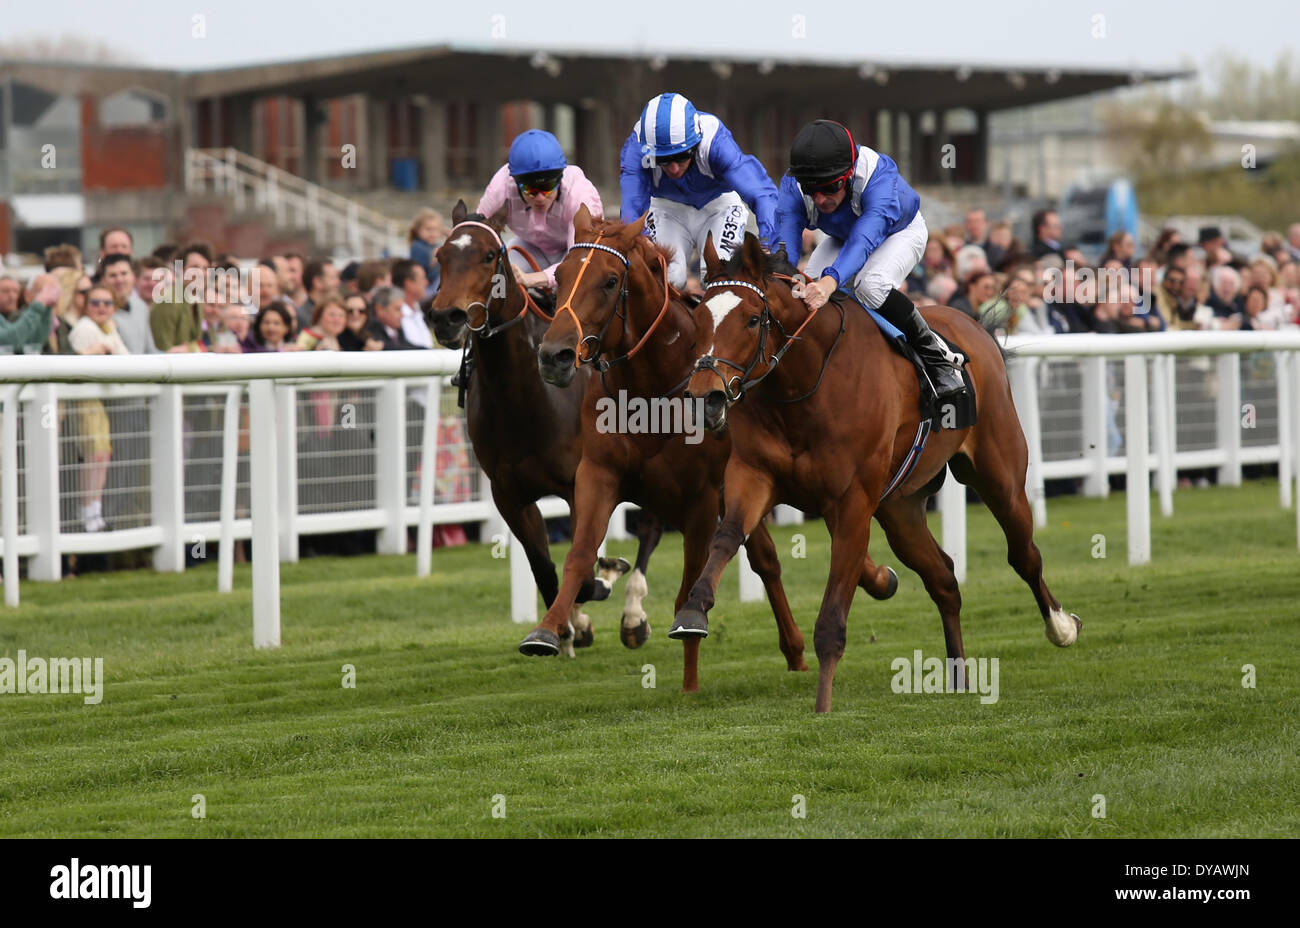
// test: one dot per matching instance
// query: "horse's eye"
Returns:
(753, 322)
(490, 256)
(610, 282)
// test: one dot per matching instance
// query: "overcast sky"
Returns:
(1134, 33)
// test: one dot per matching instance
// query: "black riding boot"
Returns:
(942, 365)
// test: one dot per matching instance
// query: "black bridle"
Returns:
(738, 385)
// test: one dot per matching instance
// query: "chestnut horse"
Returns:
(618, 314)
(526, 434)
(831, 413)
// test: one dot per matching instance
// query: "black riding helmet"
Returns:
(822, 151)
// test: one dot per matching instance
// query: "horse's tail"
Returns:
(989, 320)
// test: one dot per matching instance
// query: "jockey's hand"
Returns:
(817, 293)
(533, 279)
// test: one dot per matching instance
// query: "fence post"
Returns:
(41, 430)
(1024, 386)
(428, 481)
(167, 477)
(265, 476)
(1160, 427)
(390, 465)
(1228, 419)
(285, 397)
(1096, 445)
(9, 493)
(1137, 489)
(751, 585)
(229, 473)
(1285, 452)
(952, 506)
(787, 515)
(617, 530)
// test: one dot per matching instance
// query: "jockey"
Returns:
(875, 235)
(542, 193)
(687, 170)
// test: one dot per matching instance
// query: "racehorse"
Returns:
(526, 434)
(829, 414)
(619, 315)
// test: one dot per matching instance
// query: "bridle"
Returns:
(739, 384)
(487, 329)
(594, 345)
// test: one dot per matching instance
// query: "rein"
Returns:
(487, 329)
(597, 348)
(740, 384)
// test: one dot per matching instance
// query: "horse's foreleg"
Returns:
(595, 496)
(749, 495)
(850, 536)
(527, 525)
(635, 628)
(696, 532)
(762, 557)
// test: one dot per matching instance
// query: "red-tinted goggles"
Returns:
(826, 187)
(535, 186)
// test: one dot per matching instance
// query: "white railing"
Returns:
(352, 450)
(334, 220)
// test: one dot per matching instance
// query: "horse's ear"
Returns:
(582, 219)
(498, 219)
(459, 212)
(752, 254)
(632, 230)
(780, 256)
(712, 262)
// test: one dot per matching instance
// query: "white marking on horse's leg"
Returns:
(464, 240)
(607, 576)
(636, 592)
(1062, 629)
(566, 644)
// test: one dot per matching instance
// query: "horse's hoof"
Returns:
(584, 638)
(892, 588)
(540, 642)
(616, 566)
(689, 623)
(1062, 630)
(635, 636)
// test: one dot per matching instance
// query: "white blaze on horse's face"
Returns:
(464, 240)
(719, 306)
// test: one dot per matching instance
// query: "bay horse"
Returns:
(830, 413)
(618, 314)
(526, 434)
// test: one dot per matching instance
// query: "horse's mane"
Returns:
(772, 264)
(648, 250)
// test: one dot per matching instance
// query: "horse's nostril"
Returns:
(563, 357)
(457, 317)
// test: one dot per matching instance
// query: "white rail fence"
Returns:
(326, 450)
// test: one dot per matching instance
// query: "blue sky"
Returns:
(1144, 34)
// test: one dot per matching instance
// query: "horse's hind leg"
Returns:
(526, 523)
(761, 551)
(697, 530)
(994, 478)
(909, 536)
(635, 628)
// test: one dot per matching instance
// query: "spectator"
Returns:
(376, 272)
(321, 280)
(941, 289)
(954, 237)
(1167, 239)
(977, 228)
(1210, 239)
(348, 278)
(132, 314)
(10, 291)
(153, 280)
(176, 326)
(1263, 273)
(166, 253)
(388, 314)
(74, 287)
(1047, 233)
(1169, 293)
(1179, 256)
(30, 327)
(425, 236)
(1120, 247)
(114, 240)
(1028, 313)
(95, 333)
(329, 320)
(937, 259)
(62, 256)
(1258, 316)
(234, 327)
(1000, 243)
(360, 334)
(981, 287)
(969, 259)
(289, 268)
(409, 278)
(1293, 241)
(271, 329)
(268, 283)
(1224, 286)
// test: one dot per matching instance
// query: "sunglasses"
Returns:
(357, 311)
(534, 188)
(99, 302)
(828, 188)
(679, 159)
(82, 293)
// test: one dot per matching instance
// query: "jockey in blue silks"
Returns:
(875, 236)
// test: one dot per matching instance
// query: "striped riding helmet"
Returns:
(669, 125)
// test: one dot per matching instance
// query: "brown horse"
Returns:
(831, 413)
(618, 313)
(526, 434)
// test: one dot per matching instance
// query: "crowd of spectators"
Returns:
(1050, 287)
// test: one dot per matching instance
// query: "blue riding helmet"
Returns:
(536, 152)
(670, 125)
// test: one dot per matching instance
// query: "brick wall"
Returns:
(133, 158)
